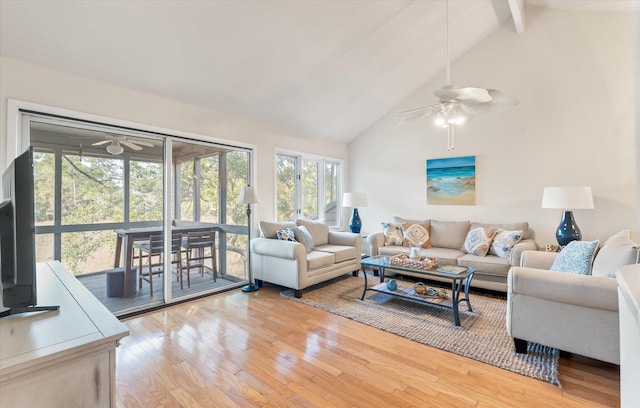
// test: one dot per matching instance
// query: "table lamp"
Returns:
(567, 198)
(354, 200)
(249, 196)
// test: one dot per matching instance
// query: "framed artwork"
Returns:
(451, 180)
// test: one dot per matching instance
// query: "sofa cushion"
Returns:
(448, 234)
(391, 250)
(509, 226)
(393, 234)
(445, 256)
(504, 241)
(319, 230)
(318, 259)
(487, 265)
(270, 229)
(304, 237)
(620, 249)
(340, 252)
(576, 257)
(287, 234)
(478, 241)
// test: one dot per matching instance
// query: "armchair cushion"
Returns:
(621, 249)
(576, 257)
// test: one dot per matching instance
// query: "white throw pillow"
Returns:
(478, 241)
(504, 241)
(392, 234)
(622, 248)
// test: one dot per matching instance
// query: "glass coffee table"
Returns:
(459, 282)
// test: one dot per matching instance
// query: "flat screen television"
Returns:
(17, 239)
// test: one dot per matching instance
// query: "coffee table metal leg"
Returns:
(455, 298)
(365, 283)
(467, 284)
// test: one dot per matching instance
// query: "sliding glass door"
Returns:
(111, 202)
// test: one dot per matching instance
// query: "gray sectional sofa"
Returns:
(447, 239)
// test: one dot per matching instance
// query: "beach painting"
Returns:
(451, 180)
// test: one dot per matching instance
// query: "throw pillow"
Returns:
(622, 248)
(304, 237)
(576, 257)
(392, 234)
(286, 234)
(478, 241)
(416, 234)
(504, 241)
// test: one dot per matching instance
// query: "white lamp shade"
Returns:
(568, 198)
(248, 195)
(354, 200)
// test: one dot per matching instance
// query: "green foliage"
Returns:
(92, 192)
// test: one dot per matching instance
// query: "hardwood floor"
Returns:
(260, 350)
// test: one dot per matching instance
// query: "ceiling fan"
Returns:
(458, 105)
(116, 142)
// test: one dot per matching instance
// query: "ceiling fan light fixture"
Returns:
(441, 120)
(114, 148)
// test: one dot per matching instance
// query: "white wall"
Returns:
(573, 73)
(44, 86)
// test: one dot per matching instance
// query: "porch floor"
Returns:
(97, 284)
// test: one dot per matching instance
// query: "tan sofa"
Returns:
(570, 312)
(289, 264)
(447, 239)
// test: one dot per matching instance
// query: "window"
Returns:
(307, 187)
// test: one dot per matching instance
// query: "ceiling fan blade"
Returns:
(100, 143)
(498, 97)
(131, 145)
(414, 114)
(139, 143)
(463, 94)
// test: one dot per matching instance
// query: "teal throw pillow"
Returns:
(576, 257)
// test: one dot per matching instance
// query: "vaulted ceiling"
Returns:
(319, 69)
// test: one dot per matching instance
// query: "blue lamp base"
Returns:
(568, 230)
(355, 223)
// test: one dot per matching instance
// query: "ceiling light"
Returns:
(114, 148)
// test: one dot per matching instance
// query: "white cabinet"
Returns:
(629, 305)
(63, 358)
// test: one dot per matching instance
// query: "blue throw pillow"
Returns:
(286, 234)
(304, 237)
(576, 257)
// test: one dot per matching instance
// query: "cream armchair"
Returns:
(574, 313)
(290, 264)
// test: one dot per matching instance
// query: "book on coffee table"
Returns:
(452, 269)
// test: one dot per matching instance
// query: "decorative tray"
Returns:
(419, 263)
